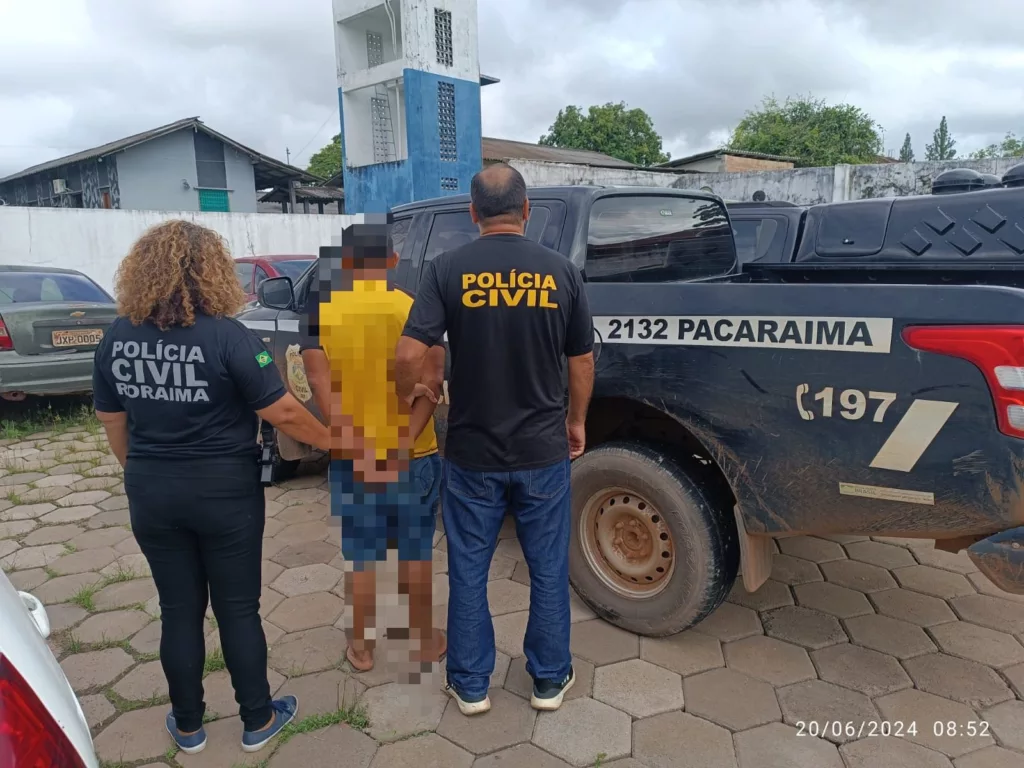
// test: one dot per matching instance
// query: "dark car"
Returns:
(253, 270)
(50, 323)
(849, 368)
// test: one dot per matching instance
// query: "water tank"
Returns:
(1014, 177)
(957, 180)
(991, 181)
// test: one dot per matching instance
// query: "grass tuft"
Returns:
(83, 597)
(54, 414)
(214, 662)
(123, 705)
(355, 717)
(120, 575)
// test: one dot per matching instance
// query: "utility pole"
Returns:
(288, 155)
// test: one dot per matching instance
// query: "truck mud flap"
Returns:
(1001, 559)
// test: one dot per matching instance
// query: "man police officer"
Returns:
(512, 310)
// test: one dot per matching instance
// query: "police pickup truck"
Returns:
(868, 381)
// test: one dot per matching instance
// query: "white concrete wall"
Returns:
(803, 186)
(539, 174)
(418, 38)
(414, 45)
(95, 241)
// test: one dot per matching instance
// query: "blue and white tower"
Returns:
(409, 92)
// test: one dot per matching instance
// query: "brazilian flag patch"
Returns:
(264, 359)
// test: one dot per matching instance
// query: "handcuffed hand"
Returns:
(421, 390)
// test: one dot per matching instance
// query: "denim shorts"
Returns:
(400, 515)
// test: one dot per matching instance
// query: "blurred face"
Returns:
(364, 248)
(367, 245)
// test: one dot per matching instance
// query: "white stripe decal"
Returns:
(289, 326)
(259, 325)
(836, 334)
(912, 436)
(887, 494)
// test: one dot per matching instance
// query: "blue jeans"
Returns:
(473, 505)
(398, 516)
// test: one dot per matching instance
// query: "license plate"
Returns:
(85, 337)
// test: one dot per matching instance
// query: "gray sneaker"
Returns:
(469, 706)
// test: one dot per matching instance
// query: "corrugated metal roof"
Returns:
(271, 168)
(504, 149)
(318, 194)
(734, 152)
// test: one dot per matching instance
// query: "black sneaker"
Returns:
(548, 694)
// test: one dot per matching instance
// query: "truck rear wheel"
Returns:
(652, 549)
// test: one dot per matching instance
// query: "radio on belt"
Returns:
(269, 443)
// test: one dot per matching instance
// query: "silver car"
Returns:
(50, 323)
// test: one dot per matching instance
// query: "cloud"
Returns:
(83, 72)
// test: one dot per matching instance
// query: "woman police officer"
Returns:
(180, 386)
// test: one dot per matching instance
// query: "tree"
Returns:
(326, 161)
(907, 151)
(1010, 146)
(943, 146)
(612, 129)
(813, 132)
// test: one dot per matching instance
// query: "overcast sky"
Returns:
(78, 73)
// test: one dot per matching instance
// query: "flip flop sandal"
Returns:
(355, 667)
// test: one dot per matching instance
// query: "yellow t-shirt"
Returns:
(359, 329)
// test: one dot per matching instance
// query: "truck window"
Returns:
(651, 239)
(399, 234)
(753, 238)
(449, 230)
(539, 217)
(455, 228)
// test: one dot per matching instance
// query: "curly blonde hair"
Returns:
(174, 270)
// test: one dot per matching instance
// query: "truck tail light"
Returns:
(5, 338)
(997, 350)
(29, 736)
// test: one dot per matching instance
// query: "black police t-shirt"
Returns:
(513, 311)
(189, 392)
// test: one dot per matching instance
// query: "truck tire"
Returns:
(653, 549)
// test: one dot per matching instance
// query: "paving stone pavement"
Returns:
(888, 633)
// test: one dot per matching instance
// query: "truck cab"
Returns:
(778, 386)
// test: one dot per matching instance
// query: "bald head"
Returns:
(498, 194)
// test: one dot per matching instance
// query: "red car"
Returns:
(253, 270)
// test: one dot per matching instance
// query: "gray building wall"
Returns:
(150, 174)
(241, 181)
(89, 184)
(147, 177)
